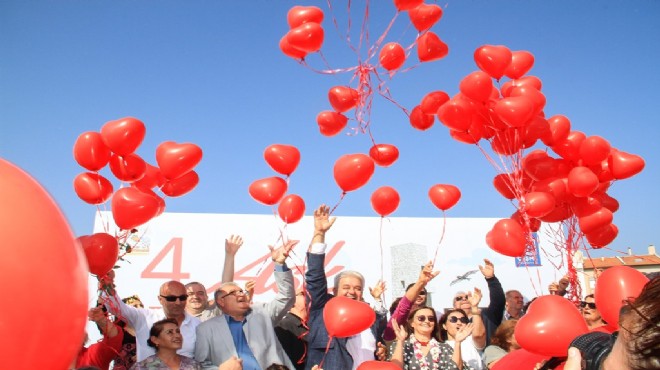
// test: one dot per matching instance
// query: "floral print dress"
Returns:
(437, 358)
(154, 363)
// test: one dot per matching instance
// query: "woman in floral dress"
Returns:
(166, 337)
(421, 349)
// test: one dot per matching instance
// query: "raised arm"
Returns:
(495, 309)
(232, 245)
(106, 350)
(478, 329)
(317, 283)
(286, 293)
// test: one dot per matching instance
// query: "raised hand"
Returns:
(322, 220)
(463, 333)
(399, 331)
(280, 254)
(377, 290)
(475, 298)
(232, 244)
(427, 274)
(488, 270)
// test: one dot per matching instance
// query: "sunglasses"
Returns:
(422, 293)
(173, 298)
(235, 292)
(461, 298)
(591, 305)
(422, 318)
(455, 319)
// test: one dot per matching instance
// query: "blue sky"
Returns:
(211, 73)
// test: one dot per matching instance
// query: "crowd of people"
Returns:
(232, 331)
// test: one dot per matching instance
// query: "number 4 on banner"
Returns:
(176, 274)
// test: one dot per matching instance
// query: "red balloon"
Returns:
(268, 191)
(345, 317)
(444, 196)
(39, 254)
(538, 204)
(504, 185)
(596, 220)
(282, 158)
(537, 128)
(92, 188)
(132, 208)
(352, 171)
(582, 181)
(493, 59)
(538, 165)
(424, 16)
(456, 114)
(291, 208)
(385, 200)
(560, 127)
(421, 120)
(160, 201)
(594, 150)
(181, 185)
(307, 37)
(529, 81)
(549, 326)
(561, 212)
(507, 142)
(129, 168)
(343, 98)
(175, 160)
(90, 151)
(585, 206)
(384, 154)
(331, 123)
(624, 165)
(407, 4)
(534, 223)
(124, 135)
(471, 136)
(392, 56)
(378, 365)
(299, 15)
(477, 86)
(289, 50)
(614, 286)
(552, 185)
(507, 238)
(432, 101)
(152, 178)
(602, 236)
(521, 62)
(569, 148)
(101, 250)
(515, 111)
(430, 47)
(608, 202)
(535, 96)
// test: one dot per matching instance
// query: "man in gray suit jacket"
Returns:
(247, 331)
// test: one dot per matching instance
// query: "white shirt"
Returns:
(469, 353)
(142, 319)
(361, 347)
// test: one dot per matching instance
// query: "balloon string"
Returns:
(442, 236)
(327, 348)
(343, 194)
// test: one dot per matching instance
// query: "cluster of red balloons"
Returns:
(283, 159)
(511, 119)
(114, 146)
(305, 33)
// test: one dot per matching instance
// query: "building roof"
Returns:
(605, 262)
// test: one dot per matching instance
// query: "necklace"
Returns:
(423, 344)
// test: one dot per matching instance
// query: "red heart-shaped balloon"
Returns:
(560, 127)
(128, 168)
(385, 200)
(291, 208)
(430, 47)
(538, 204)
(152, 178)
(595, 220)
(307, 37)
(268, 191)
(343, 98)
(101, 250)
(602, 236)
(477, 86)
(421, 120)
(124, 135)
(549, 326)
(384, 154)
(345, 317)
(132, 208)
(521, 62)
(507, 237)
(391, 56)
(289, 50)
(425, 16)
(624, 165)
(493, 59)
(444, 196)
(92, 188)
(378, 365)
(456, 114)
(515, 111)
(175, 160)
(181, 185)
(282, 158)
(351, 171)
(432, 101)
(90, 151)
(613, 287)
(298, 15)
(331, 123)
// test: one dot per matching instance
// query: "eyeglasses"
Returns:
(239, 291)
(591, 305)
(173, 298)
(455, 319)
(422, 293)
(459, 298)
(422, 318)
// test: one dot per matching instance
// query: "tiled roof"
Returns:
(604, 262)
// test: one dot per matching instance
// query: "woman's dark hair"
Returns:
(394, 305)
(443, 321)
(157, 328)
(277, 367)
(503, 333)
(640, 320)
(411, 317)
(423, 290)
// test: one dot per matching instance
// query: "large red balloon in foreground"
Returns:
(39, 255)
